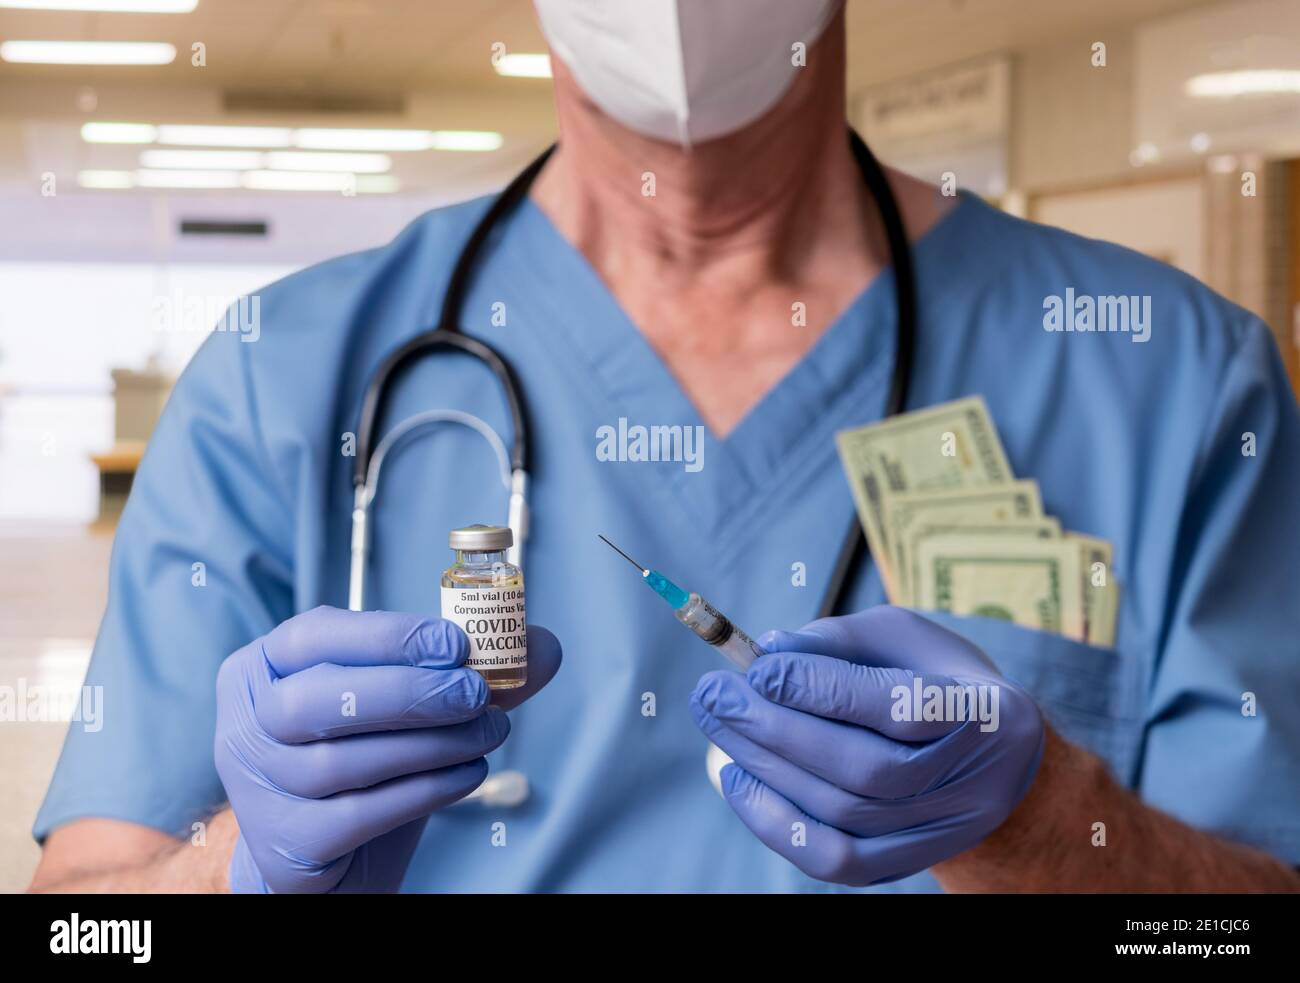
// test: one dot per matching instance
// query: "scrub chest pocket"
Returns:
(1090, 695)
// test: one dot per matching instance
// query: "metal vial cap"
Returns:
(481, 539)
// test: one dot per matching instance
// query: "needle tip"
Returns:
(629, 559)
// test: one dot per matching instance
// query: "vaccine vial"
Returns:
(484, 594)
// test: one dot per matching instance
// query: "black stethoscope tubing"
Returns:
(447, 336)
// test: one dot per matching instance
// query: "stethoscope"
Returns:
(513, 464)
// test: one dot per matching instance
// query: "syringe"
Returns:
(699, 615)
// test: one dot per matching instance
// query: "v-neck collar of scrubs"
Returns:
(842, 380)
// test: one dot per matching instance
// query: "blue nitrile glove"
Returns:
(339, 732)
(837, 772)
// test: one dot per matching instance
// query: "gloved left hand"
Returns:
(836, 770)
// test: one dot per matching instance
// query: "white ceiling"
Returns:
(432, 60)
(360, 46)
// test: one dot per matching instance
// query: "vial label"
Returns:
(493, 618)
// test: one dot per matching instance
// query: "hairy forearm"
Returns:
(1051, 842)
(84, 860)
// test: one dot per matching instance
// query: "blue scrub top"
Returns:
(1140, 443)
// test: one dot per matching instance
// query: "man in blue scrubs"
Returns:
(697, 254)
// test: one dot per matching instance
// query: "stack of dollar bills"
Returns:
(952, 529)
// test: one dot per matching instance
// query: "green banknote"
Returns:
(951, 529)
(1041, 528)
(1015, 500)
(1029, 581)
(949, 446)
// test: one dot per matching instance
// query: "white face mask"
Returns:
(683, 70)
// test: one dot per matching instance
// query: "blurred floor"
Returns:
(53, 586)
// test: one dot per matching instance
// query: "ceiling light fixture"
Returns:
(106, 6)
(300, 160)
(397, 140)
(376, 184)
(106, 180)
(298, 181)
(481, 141)
(202, 160)
(339, 139)
(190, 180)
(225, 136)
(119, 132)
(525, 65)
(1247, 82)
(364, 145)
(87, 52)
(320, 181)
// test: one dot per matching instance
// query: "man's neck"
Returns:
(770, 192)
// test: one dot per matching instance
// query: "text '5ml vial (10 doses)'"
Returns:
(484, 594)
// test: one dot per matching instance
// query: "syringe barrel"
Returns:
(714, 627)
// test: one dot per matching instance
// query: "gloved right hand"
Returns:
(339, 732)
